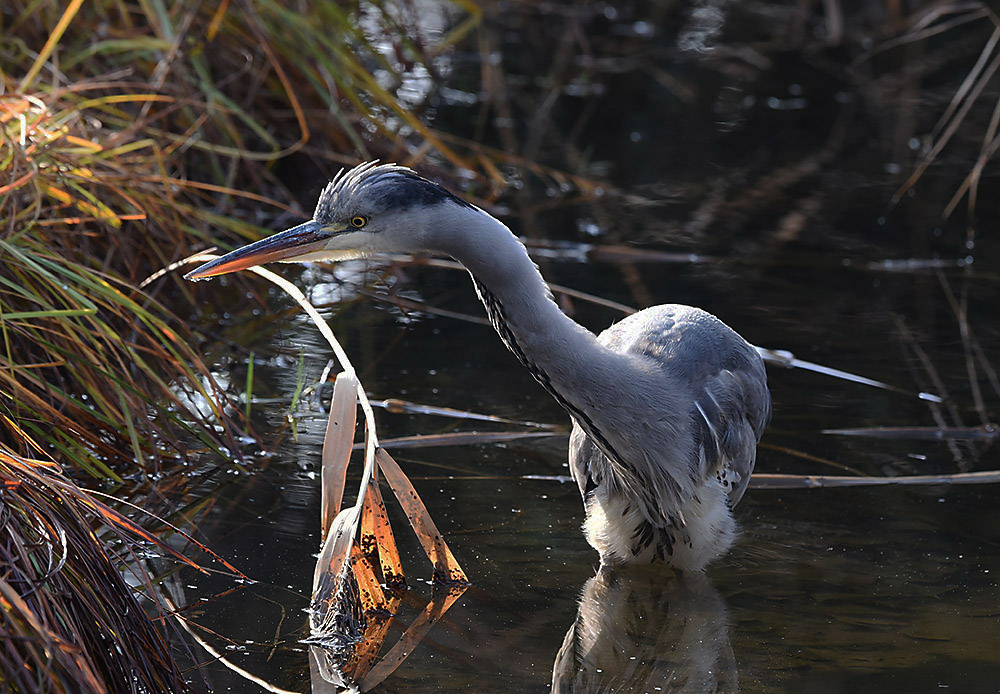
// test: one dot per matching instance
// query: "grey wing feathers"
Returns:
(724, 378)
(730, 415)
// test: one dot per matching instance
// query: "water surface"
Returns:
(780, 168)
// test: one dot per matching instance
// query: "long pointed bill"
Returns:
(286, 245)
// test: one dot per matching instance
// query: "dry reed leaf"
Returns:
(337, 445)
(341, 535)
(397, 406)
(367, 652)
(446, 568)
(778, 481)
(350, 608)
(379, 608)
(370, 592)
(981, 433)
(361, 669)
(379, 622)
(465, 438)
(377, 541)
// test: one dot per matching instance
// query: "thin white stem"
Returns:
(341, 533)
(338, 351)
(371, 440)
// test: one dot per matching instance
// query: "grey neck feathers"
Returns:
(563, 356)
(517, 299)
(585, 377)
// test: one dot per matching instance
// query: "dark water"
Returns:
(764, 153)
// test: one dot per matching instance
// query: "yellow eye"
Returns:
(358, 221)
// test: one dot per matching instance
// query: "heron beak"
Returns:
(285, 246)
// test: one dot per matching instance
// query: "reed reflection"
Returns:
(644, 629)
(358, 664)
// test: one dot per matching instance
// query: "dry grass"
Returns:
(129, 134)
(70, 620)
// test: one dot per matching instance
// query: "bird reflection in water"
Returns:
(643, 630)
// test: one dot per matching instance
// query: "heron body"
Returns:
(667, 405)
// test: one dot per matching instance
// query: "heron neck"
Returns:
(519, 304)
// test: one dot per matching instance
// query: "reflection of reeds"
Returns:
(933, 22)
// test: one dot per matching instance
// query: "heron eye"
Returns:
(358, 221)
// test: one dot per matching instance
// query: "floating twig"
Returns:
(983, 433)
(785, 358)
(775, 481)
(463, 438)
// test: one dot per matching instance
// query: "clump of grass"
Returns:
(90, 367)
(70, 621)
(976, 90)
(129, 134)
(127, 131)
(95, 370)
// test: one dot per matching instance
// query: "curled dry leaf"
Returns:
(446, 568)
(337, 445)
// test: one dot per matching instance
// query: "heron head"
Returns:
(368, 210)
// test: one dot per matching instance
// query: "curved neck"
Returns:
(518, 301)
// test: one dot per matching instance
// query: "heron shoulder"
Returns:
(727, 400)
(688, 343)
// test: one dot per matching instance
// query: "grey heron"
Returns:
(667, 405)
